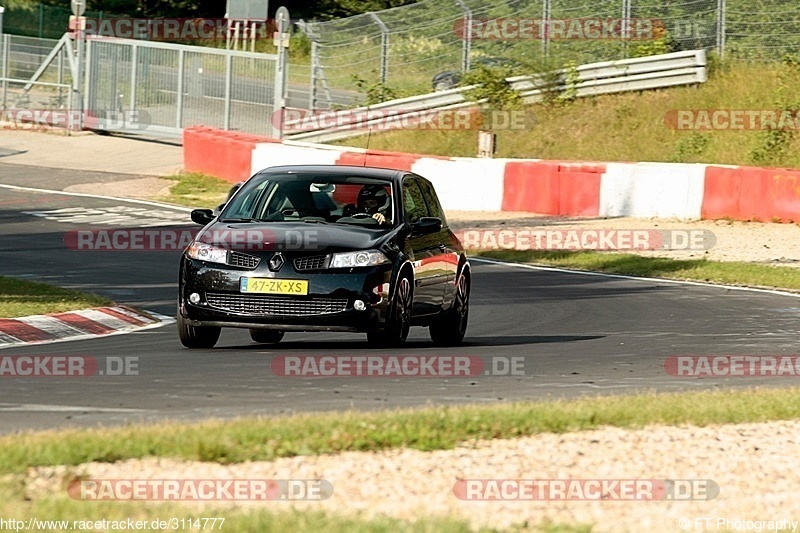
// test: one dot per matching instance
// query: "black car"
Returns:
(449, 79)
(325, 248)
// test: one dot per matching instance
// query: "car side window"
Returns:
(249, 202)
(413, 201)
(434, 206)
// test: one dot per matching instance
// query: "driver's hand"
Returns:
(379, 217)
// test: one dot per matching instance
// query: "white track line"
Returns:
(635, 278)
(97, 196)
(51, 408)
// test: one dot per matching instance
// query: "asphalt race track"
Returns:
(577, 334)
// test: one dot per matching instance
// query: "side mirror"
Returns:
(202, 216)
(426, 226)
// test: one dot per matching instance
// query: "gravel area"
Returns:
(759, 242)
(755, 466)
(140, 188)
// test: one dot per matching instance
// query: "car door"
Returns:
(447, 254)
(424, 251)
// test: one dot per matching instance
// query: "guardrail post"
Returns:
(384, 47)
(721, 28)
(80, 73)
(467, 37)
(60, 78)
(6, 70)
(79, 99)
(279, 89)
(226, 120)
(626, 26)
(179, 101)
(312, 90)
(134, 61)
(545, 29)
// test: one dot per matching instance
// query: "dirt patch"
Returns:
(756, 242)
(140, 188)
(751, 463)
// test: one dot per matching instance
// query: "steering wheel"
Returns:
(360, 215)
(294, 212)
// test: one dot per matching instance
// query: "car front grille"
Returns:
(315, 262)
(239, 259)
(247, 304)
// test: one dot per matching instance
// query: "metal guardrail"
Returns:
(651, 72)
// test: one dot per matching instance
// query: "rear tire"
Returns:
(450, 328)
(266, 336)
(197, 337)
(398, 322)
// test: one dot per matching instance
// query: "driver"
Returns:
(372, 200)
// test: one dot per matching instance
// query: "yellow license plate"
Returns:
(295, 287)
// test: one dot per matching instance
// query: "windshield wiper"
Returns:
(238, 220)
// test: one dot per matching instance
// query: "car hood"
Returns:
(291, 236)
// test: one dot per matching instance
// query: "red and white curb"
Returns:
(75, 325)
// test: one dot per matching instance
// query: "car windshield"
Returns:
(313, 198)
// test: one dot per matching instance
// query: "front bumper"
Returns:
(329, 305)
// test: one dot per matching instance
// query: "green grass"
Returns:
(22, 298)
(257, 439)
(631, 126)
(724, 272)
(276, 518)
(195, 189)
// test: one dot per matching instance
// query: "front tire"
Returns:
(450, 328)
(443, 86)
(398, 322)
(266, 336)
(197, 337)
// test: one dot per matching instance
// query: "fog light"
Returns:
(359, 305)
(194, 298)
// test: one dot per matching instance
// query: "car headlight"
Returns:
(206, 252)
(358, 259)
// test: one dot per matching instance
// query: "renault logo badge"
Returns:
(276, 262)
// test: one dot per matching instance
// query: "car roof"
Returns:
(339, 170)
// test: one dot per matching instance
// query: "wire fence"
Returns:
(42, 20)
(174, 86)
(405, 47)
(20, 57)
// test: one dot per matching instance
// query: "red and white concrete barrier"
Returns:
(85, 323)
(569, 188)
